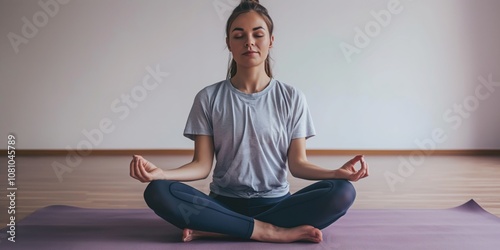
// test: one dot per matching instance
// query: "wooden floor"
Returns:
(104, 182)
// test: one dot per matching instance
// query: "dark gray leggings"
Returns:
(319, 205)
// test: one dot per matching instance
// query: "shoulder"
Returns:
(210, 91)
(289, 91)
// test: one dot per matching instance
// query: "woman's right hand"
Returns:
(144, 171)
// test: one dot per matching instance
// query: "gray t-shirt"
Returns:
(251, 133)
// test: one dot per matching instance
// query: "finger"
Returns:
(138, 170)
(362, 172)
(132, 168)
(138, 157)
(144, 174)
(356, 176)
(145, 167)
(352, 162)
(355, 159)
(364, 166)
(367, 170)
(147, 164)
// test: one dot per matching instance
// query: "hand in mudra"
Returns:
(348, 170)
(143, 170)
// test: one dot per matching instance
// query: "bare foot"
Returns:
(269, 233)
(189, 235)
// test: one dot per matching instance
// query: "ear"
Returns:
(272, 41)
(227, 44)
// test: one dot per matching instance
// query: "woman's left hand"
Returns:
(349, 172)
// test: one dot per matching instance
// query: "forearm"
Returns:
(201, 165)
(189, 172)
(309, 171)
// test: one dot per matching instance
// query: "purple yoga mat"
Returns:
(63, 227)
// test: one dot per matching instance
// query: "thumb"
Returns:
(147, 164)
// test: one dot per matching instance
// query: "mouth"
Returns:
(250, 53)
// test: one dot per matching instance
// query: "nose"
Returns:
(249, 43)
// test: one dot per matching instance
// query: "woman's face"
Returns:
(249, 40)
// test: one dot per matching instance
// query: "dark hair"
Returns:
(244, 7)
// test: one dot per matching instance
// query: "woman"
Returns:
(253, 124)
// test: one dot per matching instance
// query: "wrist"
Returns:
(158, 175)
(163, 175)
(334, 174)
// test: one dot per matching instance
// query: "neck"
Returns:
(250, 80)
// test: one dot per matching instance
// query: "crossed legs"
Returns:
(298, 217)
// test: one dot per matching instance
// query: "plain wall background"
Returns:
(394, 94)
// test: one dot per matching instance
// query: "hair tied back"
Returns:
(244, 7)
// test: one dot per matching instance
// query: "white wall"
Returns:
(396, 91)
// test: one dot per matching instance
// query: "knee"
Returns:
(155, 192)
(343, 193)
(348, 190)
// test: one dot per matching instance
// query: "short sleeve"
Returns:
(199, 120)
(302, 125)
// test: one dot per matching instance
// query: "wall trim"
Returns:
(311, 152)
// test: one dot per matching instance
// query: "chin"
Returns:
(249, 63)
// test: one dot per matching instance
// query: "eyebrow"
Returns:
(254, 29)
